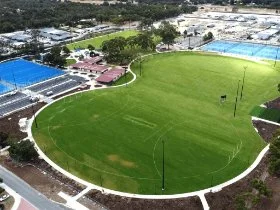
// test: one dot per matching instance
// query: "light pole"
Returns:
(163, 172)
(245, 68)
(140, 60)
(276, 57)
(125, 77)
(236, 98)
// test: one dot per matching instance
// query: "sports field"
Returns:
(97, 41)
(113, 137)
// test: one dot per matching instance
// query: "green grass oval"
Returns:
(113, 137)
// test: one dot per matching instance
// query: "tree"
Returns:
(66, 50)
(145, 41)
(91, 47)
(274, 160)
(167, 32)
(23, 151)
(131, 41)
(35, 46)
(208, 36)
(4, 139)
(54, 58)
(262, 189)
(112, 49)
(145, 24)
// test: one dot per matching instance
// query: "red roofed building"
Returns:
(111, 75)
(98, 69)
(93, 60)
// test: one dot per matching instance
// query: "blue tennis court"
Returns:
(244, 48)
(22, 73)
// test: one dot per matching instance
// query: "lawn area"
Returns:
(124, 79)
(70, 62)
(113, 137)
(267, 114)
(97, 41)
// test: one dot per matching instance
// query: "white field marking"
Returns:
(108, 191)
(94, 168)
(154, 133)
(104, 119)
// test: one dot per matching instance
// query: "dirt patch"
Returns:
(122, 162)
(266, 130)
(115, 202)
(127, 164)
(11, 126)
(113, 158)
(44, 179)
(274, 104)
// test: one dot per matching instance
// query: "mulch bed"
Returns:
(274, 104)
(11, 126)
(43, 177)
(265, 130)
(115, 202)
(225, 199)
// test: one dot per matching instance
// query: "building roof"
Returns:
(52, 31)
(21, 37)
(111, 75)
(90, 67)
(92, 60)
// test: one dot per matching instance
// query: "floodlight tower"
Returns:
(236, 98)
(276, 56)
(35, 118)
(245, 68)
(163, 172)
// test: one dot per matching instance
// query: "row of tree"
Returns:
(274, 165)
(23, 14)
(121, 51)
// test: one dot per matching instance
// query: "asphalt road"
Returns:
(27, 192)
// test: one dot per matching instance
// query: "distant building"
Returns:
(55, 34)
(266, 34)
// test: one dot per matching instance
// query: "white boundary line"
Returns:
(109, 191)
